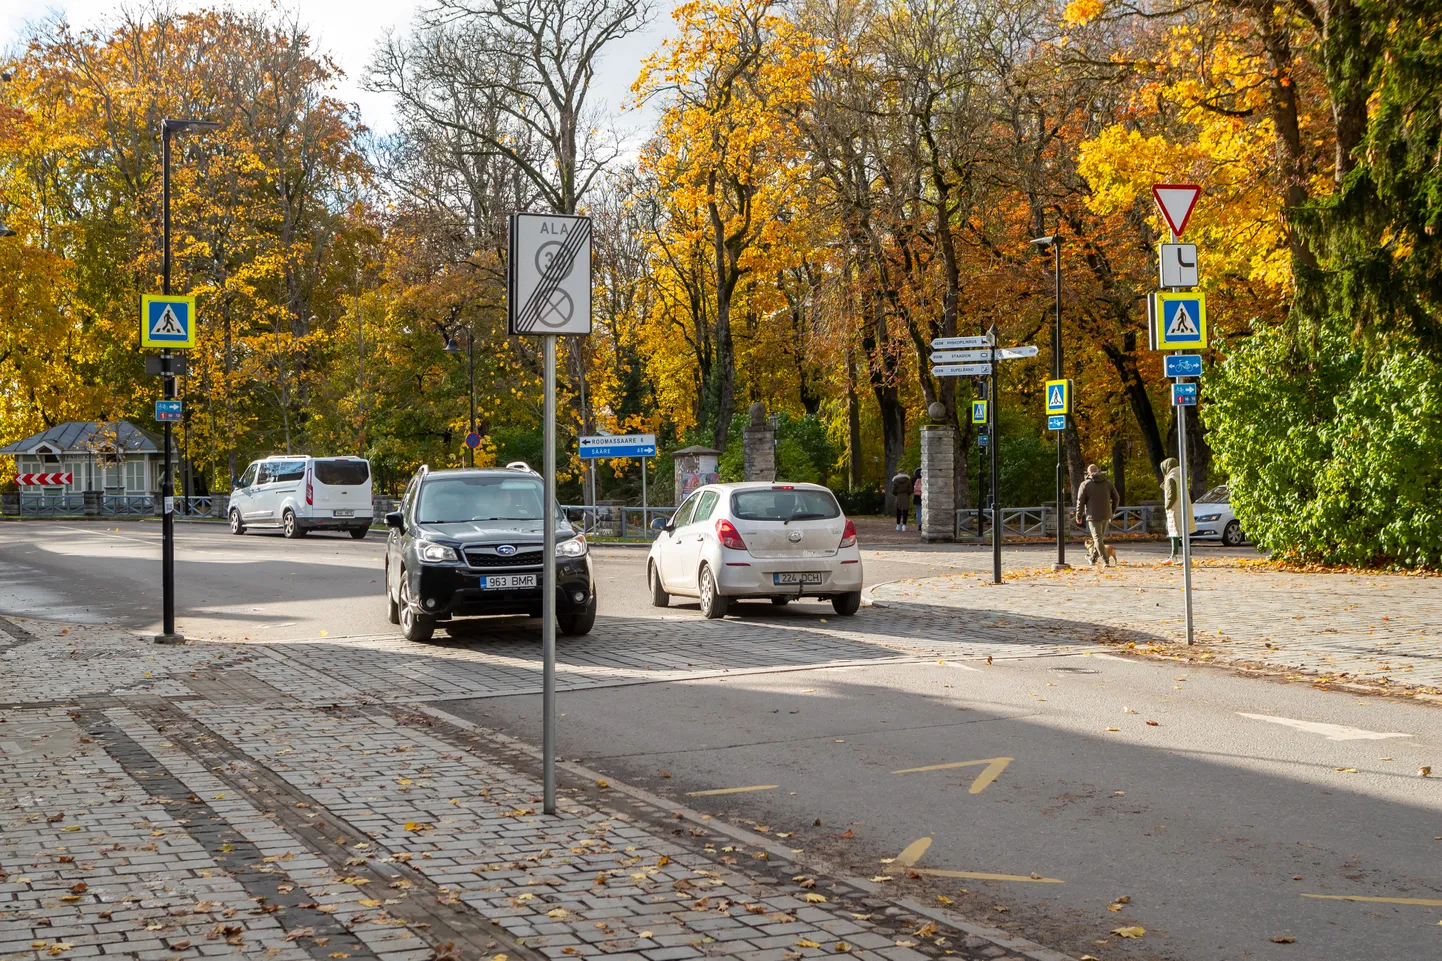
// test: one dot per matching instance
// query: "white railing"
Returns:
(630, 523)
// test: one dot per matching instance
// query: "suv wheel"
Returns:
(713, 605)
(1232, 534)
(659, 597)
(576, 624)
(393, 610)
(414, 625)
(291, 526)
(847, 604)
(237, 526)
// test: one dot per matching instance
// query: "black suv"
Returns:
(468, 542)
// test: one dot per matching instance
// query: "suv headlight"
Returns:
(575, 547)
(438, 554)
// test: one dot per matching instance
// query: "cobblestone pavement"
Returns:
(285, 802)
(1378, 629)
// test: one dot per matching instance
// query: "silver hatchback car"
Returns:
(780, 542)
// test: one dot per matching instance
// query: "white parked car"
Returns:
(1215, 520)
(780, 542)
(297, 493)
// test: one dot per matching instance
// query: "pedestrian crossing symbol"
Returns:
(1058, 397)
(1182, 321)
(167, 320)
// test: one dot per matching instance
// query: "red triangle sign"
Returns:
(1176, 202)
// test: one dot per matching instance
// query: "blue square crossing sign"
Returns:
(1058, 397)
(167, 320)
(978, 412)
(1181, 321)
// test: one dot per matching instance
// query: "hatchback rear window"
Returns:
(344, 473)
(780, 504)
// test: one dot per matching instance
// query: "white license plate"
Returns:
(344, 513)
(501, 582)
(798, 577)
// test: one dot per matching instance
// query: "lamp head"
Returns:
(451, 346)
(1043, 241)
(6, 231)
(171, 125)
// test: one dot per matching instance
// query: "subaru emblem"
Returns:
(506, 550)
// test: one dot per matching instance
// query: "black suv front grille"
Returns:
(488, 559)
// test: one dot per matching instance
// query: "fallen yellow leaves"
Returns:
(808, 943)
(814, 898)
(1283, 939)
(414, 826)
(1132, 932)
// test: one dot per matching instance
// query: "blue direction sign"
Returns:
(1056, 422)
(167, 410)
(1182, 365)
(982, 439)
(1184, 395)
(625, 445)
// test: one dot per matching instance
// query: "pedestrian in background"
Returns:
(901, 490)
(916, 495)
(1097, 502)
(1178, 504)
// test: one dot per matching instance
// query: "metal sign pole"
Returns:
(548, 582)
(995, 407)
(1186, 501)
(167, 381)
(645, 521)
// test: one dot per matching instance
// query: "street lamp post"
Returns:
(453, 348)
(168, 128)
(1054, 241)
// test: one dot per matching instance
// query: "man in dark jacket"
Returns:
(1097, 501)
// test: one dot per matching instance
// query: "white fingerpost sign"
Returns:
(549, 295)
(550, 273)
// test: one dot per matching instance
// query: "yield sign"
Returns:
(1176, 202)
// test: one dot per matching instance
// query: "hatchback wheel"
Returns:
(847, 604)
(659, 597)
(713, 604)
(780, 601)
(414, 626)
(1232, 534)
(237, 526)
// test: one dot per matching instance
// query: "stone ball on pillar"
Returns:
(937, 412)
(758, 414)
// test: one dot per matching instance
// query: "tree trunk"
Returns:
(1125, 365)
(853, 421)
(1119, 468)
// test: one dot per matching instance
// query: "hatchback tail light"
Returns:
(309, 489)
(848, 535)
(729, 536)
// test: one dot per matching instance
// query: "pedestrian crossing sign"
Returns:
(1181, 321)
(978, 412)
(1058, 397)
(167, 320)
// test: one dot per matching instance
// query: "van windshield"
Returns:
(342, 473)
(783, 504)
(457, 500)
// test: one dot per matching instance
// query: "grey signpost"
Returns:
(549, 296)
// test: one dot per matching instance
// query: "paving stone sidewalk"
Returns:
(225, 800)
(1378, 629)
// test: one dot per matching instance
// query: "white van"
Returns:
(297, 493)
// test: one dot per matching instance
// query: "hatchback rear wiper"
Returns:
(802, 516)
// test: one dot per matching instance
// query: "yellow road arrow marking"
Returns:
(994, 767)
(732, 790)
(912, 852)
(1426, 902)
(986, 877)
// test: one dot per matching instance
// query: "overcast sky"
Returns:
(348, 30)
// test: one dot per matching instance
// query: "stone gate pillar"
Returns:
(937, 515)
(759, 447)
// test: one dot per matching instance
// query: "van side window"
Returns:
(248, 477)
(263, 476)
(288, 470)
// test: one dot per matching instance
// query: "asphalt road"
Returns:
(1033, 792)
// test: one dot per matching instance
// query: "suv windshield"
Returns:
(783, 504)
(479, 497)
(1217, 495)
(342, 473)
